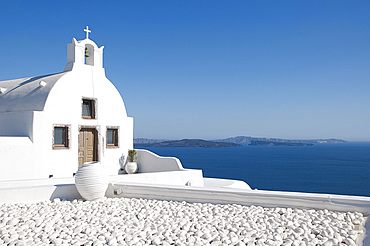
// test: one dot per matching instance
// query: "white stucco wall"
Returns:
(16, 124)
(17, 158)
(58, 102)
(87, 82)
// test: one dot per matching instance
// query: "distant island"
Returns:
(186, 143)
(269, 143)
(231, 142)
(275, 141)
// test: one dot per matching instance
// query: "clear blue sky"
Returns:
(211, 69)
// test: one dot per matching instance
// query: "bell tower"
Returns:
(84, 53)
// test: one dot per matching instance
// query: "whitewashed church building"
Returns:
(51, 124)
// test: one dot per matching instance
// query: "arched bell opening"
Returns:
(89, 54)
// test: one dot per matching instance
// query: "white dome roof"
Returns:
(26, 94)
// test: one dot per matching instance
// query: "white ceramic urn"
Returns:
(131, 167)
(91, 181)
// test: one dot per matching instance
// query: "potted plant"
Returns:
(131, 166)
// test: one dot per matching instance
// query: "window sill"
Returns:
(112, 146)
(60, 147)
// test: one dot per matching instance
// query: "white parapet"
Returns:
(154, 169)
(150, 162)
(185, 177)
(226, 195)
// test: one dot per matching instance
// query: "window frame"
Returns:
(67, 136)
(116, 137)
(93, 108)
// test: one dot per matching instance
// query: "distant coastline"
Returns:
(269, 143)
(232, 142)
(200, 143)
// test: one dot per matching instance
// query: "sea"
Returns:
(323, 168)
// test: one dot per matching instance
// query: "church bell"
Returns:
(86, 52)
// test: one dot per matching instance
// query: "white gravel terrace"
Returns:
(131, 221)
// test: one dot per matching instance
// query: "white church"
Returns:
(51, 124)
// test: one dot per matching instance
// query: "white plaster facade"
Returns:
(31, 108)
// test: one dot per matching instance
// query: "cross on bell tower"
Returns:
(87, 32)
(84, 52)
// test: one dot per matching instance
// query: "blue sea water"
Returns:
(322, 168)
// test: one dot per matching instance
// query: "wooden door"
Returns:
(87, 146)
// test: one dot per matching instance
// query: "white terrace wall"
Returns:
(149, 162)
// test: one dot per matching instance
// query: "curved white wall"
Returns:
(90, 82)
(150, 162)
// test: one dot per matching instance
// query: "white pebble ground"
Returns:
(123, 221)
